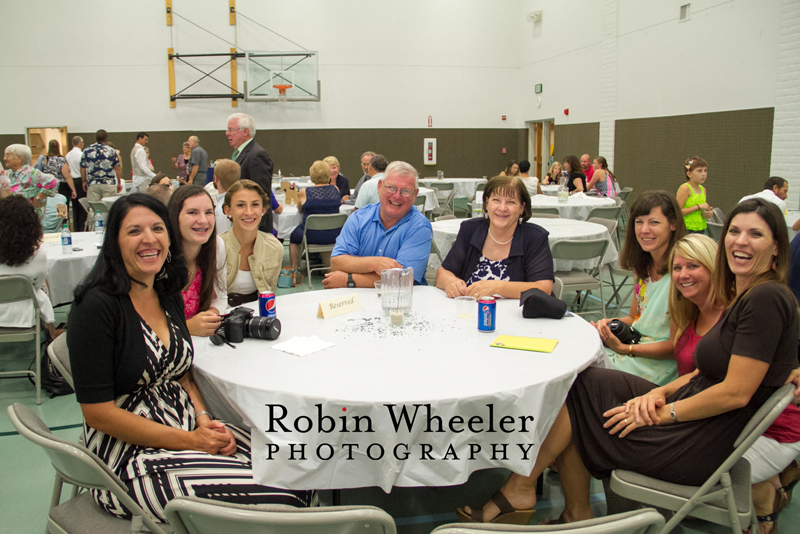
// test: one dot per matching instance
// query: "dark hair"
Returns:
(379, 162)
(206, 261)
(109, 273)
(724, 280)
(20, 230)
(574, 164)
(774, 181)
(691, 164)
(508, 168)
(141, 135)
(510, 186)
(633, 257)
(604, 165)
(53, 148)
(101, 136)
(524, 165)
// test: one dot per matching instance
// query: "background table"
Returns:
(465, 187)
(286, 222)
(64, 272)
(431, 201)
(577, 207)
(444, 234)
(436, 359)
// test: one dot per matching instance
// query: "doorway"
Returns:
(38, 139)
(541, 140)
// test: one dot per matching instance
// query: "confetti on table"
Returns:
(379, 326)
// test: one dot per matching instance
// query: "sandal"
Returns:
(508, 514)
(286, 278)
(789, 478)
(768, 519)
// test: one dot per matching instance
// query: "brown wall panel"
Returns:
(576, 140)
(736, 144)
(460, 152)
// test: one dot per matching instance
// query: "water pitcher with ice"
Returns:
(397, 288)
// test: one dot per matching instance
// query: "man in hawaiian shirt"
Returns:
(100, 169)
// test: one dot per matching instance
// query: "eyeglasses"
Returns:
(403, 192)
(231, 130)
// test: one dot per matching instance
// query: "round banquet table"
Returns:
(286, 222)
(445, 232)
(431, 201)
(465, 187)
(64, 272)
(437, 362)
(577, 207)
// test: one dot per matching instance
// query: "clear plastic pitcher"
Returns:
(397, 289)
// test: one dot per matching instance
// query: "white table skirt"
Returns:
(431, 201)
(109, 201)
(465, 187)
(444, 234)
(64, 272)
(577, 207)
(437, 359)
(286, 222)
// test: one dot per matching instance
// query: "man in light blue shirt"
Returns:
(368, 193)
(390, 234)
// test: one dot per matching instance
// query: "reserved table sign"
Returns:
(339, 306)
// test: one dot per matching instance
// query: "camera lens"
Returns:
(263, 327)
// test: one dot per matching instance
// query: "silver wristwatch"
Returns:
(672, 414)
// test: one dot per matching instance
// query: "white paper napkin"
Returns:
(303, 346)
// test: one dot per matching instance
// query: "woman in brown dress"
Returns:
(614, 420)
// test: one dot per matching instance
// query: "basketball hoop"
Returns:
(282, 91)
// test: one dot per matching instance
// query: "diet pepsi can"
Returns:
(266, 304)
(487, 319)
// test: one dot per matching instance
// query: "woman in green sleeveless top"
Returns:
(692, 196)
(654, 225)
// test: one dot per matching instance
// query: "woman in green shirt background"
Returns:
(692, 196)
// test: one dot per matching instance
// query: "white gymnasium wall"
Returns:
(724, 58)
(97, 64)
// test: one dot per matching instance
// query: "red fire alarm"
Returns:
(504, 150)
(504, 117)
(566, 111)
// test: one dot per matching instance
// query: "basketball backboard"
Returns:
(270, 72)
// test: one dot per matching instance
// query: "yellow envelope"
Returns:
(536, 344)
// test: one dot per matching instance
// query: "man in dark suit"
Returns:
(255, 162)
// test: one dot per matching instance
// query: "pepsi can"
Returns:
(266, 304)
(487, 319)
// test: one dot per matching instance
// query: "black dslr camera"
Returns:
(240, 323)
(626, 334)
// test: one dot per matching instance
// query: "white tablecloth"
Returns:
(465, 187)
(109, 201)
(65, 271)
(286, 222)
(551, 190)
(431, 201)
(436, 360)
(577, 207)
(444, 234)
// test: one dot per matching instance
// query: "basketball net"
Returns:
(282, 91)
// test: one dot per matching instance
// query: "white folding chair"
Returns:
(645, 521)
(320, 222)
(76, 465)
(580, 280)
(89, 224)
(190, 515)
(17, 288)
(725, 497)
(59, 356)
(546, 212)
(446, 204)
(558, 288)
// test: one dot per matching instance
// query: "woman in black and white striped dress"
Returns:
(131, 355)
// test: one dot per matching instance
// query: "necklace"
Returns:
(498, 242)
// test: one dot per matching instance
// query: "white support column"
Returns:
(786, 127)
(608, 98)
